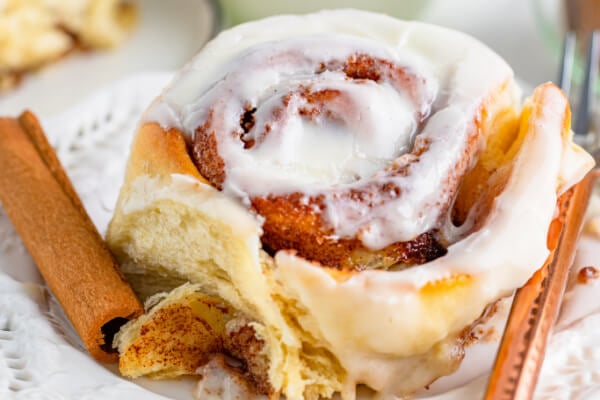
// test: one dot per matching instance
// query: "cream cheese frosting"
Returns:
(254, 65)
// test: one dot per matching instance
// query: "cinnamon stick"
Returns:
(37, 137)
(43, 206)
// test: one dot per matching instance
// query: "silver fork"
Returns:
(536, 305)
(581, 121)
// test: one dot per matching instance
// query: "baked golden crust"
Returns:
(160, 153)
(290, 224)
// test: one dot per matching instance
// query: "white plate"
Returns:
(41, 357)
(167, 35)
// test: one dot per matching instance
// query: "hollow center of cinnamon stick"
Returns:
(109, 330)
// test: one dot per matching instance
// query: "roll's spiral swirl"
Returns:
(330, 140)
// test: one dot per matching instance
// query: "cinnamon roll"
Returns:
(334, 204)
(34, 33)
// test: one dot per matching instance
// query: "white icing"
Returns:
(321, 154)
(258, 64)
(382, 312)
(220, 382)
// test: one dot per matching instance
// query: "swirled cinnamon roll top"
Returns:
(351, 150)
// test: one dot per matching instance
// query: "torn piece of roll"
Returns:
(336, 203)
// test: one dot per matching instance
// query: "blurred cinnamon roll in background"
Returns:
(36, 32)
(333, 204)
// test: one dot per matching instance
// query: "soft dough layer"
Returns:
(318, 330)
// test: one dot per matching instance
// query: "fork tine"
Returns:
(566, 64)
(535, 307)
(582, 119)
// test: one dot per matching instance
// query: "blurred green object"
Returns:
(238, 11)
